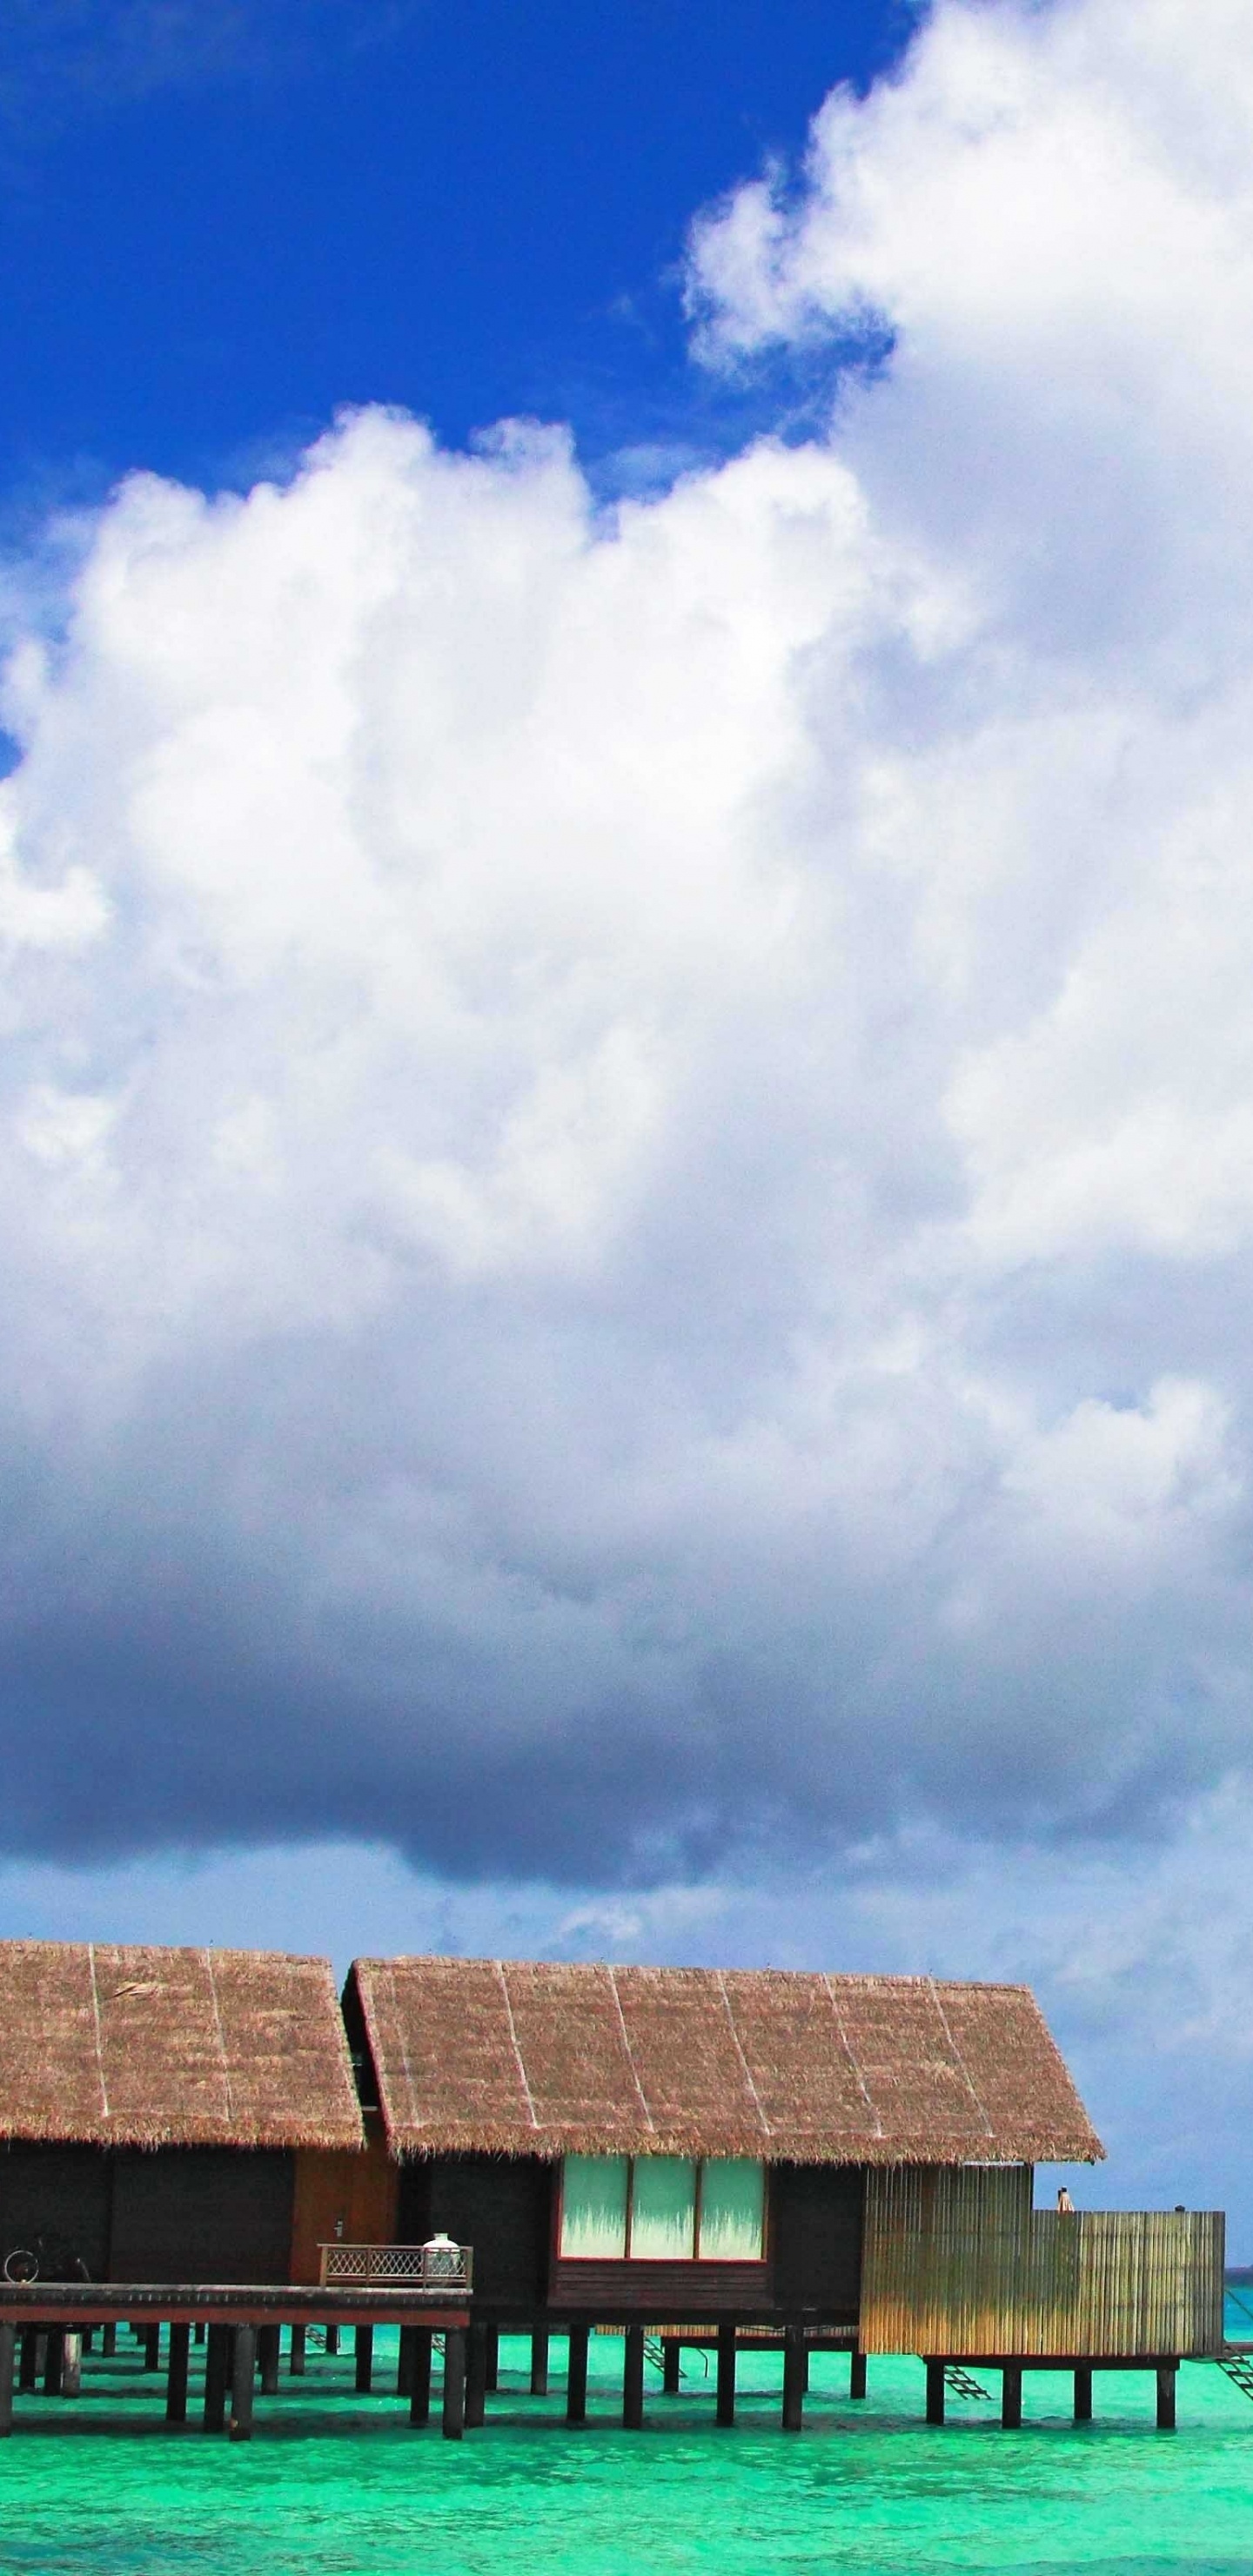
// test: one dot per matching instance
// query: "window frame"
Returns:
(711, 2262)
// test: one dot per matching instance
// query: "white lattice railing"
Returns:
(397, 2267)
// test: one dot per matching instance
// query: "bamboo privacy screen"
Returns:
(957, 2262)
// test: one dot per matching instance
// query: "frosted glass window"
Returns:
(732, 2206)
(663, 2209)
(594, 2207)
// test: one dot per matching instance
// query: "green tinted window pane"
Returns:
(594, 2206)
(663, 2209)
(732, 2205)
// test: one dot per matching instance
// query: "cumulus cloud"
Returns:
(625, 1136)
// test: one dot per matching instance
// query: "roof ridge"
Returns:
(971, 2087)
(95, 2006)
(739, 2050)
(513, 2034)
(611, 1973)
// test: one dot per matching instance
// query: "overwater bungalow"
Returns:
(177, 2115)
(834, 2159)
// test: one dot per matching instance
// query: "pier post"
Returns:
(539, 2365)
(857, 2374)
(935, 2392)
(725, 2406)
(243, 2381)
(30, 2357)
(296, 2356)
(54, 2361)
(1083, 2393)
(152, 2347)
(793, 2378)
(269, 2340)
(365, 2360)
(420, 2376)
(633, 2379)
(671, 2365)
(216, 2372)
(404, 2362)
(454, 2383)
(476, 2377)
(491, 2379)
(198, 2334)
(176, 2375)
(108, 2341)
(1166, 2396)
(576, 2376)
(72, 2363)
(8, 2347)
(1011, 2396)
(332, 2342)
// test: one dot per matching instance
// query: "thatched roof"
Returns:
(520, 2059)
(149, 2048)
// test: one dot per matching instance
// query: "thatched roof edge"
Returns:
(464, 2139)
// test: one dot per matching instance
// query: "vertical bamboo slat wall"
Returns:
(957, 2262)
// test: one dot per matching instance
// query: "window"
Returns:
(663, 2209)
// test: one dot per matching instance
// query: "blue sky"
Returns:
(625, 1104)
(222, 223)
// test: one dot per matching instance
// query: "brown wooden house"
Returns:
(178, 2115)
(849, 2154)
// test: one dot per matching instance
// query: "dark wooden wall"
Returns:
(816, 2221)
(178, 2214)
(501, 2205)
(202, 2214)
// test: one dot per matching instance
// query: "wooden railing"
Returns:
(956, 2262)
(398, 2267)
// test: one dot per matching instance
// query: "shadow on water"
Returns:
(339, 2485)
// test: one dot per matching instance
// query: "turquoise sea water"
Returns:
(337, 2485)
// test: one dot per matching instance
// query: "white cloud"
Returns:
(625, 1140)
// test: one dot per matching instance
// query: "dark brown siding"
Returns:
(664, 2292)
(202, 2214)
(816, 2214)
(500, 2205)
(54, 2201)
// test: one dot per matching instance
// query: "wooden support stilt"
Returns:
(793, 2378)
(152, 2347)
(576, 2376)
(108, 2341)
(269, 2341)
(176, 2375)
(216, 2373)
(420, 2383)
(1011, 2396)
(726, 2371)
(404, 2362)
(243, 2383)
(476, 2377)
(492, 2368)
(671, 2365)
(8, 2349)
(935, 2392)
(633, 2379)
(857, 2374)
(89, 2338)
(30, 2357)
(1166, 2396)
(54, 2360)
(72, 2363)
(332, 2342)
(454, 2383)
(539, 2365)
(198, 2333)
(365, 2360)
(1083, 2394)
(296, 2355)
